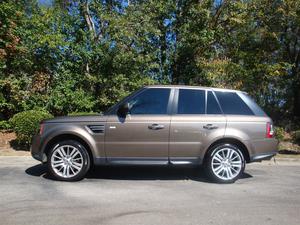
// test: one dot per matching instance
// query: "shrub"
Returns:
(296, 136)
(5, 125)
(82, 113)
(279, 133)
(26, 124)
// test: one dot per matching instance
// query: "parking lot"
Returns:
(267, 194)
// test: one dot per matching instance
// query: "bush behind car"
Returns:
(26, 124)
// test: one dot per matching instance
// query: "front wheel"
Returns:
(68, 161)
(225, 163)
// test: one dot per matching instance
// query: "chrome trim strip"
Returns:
(147, 161)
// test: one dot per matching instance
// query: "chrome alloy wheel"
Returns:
(226, 163)
(66, 161)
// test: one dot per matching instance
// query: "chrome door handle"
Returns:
(210, 126)
(156, 126)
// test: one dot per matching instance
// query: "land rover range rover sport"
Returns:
(220, 129)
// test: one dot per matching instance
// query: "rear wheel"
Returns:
(225, 163)
(68, 161)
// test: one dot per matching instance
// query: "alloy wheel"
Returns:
(67, 161)
(226, 163)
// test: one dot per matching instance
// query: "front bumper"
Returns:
(35, 149)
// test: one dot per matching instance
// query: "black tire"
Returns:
(84, 160)
(212, 166)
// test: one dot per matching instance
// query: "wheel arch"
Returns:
(67, 136)
(233, 141)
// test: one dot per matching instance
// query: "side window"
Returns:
(232, 104)
(191, 101)
(150, 101)
(212, 104)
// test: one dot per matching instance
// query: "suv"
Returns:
(161, 125)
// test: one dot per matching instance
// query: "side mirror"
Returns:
(123, 110)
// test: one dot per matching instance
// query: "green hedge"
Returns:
(26, 124)
(5, 125)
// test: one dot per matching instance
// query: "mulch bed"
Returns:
(286, 147)
(9, 147)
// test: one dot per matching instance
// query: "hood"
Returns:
(76, 119)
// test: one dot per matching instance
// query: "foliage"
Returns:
(5, 125)
(296, 136)
(82, 113)
(26, 124)
(85, 55)
(279, 133)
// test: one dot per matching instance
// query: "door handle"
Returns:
(210, 127)
(156, 126)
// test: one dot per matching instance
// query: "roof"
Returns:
(191, 87)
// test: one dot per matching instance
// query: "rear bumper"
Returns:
(262, 156)
(35, 149)
(262, 149)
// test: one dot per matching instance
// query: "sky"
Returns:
(45, 2)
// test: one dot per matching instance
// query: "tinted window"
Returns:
(252, 104)
(231, 103)
(212, 104)
(150, 101)
(191, 101)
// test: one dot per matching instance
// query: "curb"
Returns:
(287, 157)
(282, 160)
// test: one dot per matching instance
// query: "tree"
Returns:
(85, 55)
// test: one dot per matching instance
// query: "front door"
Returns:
(143, 136)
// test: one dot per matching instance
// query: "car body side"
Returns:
(183, 141)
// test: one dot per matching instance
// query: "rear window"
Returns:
(191, 101)
(232, 104)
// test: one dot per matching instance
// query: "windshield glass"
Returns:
(113, 109)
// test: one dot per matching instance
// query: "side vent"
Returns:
(97, 129)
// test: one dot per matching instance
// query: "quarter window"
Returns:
(232, 104)
(150, 101)
(191, 101)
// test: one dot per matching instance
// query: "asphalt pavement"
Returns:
(268, 193)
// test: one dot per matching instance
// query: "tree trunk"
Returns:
(88, 19)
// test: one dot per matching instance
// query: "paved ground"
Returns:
(268, 194)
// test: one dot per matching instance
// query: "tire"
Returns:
(68, 161)
(225, 163)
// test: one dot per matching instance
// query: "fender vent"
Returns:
(97, 129)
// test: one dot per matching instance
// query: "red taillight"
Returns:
(270, 130)
(41, 128)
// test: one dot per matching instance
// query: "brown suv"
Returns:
(161, 125)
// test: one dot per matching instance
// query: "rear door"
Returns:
(196, 122)
(143, 136)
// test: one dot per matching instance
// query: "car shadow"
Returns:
(136, 173)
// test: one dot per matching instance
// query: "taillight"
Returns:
(41, 128)
(269, 130)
